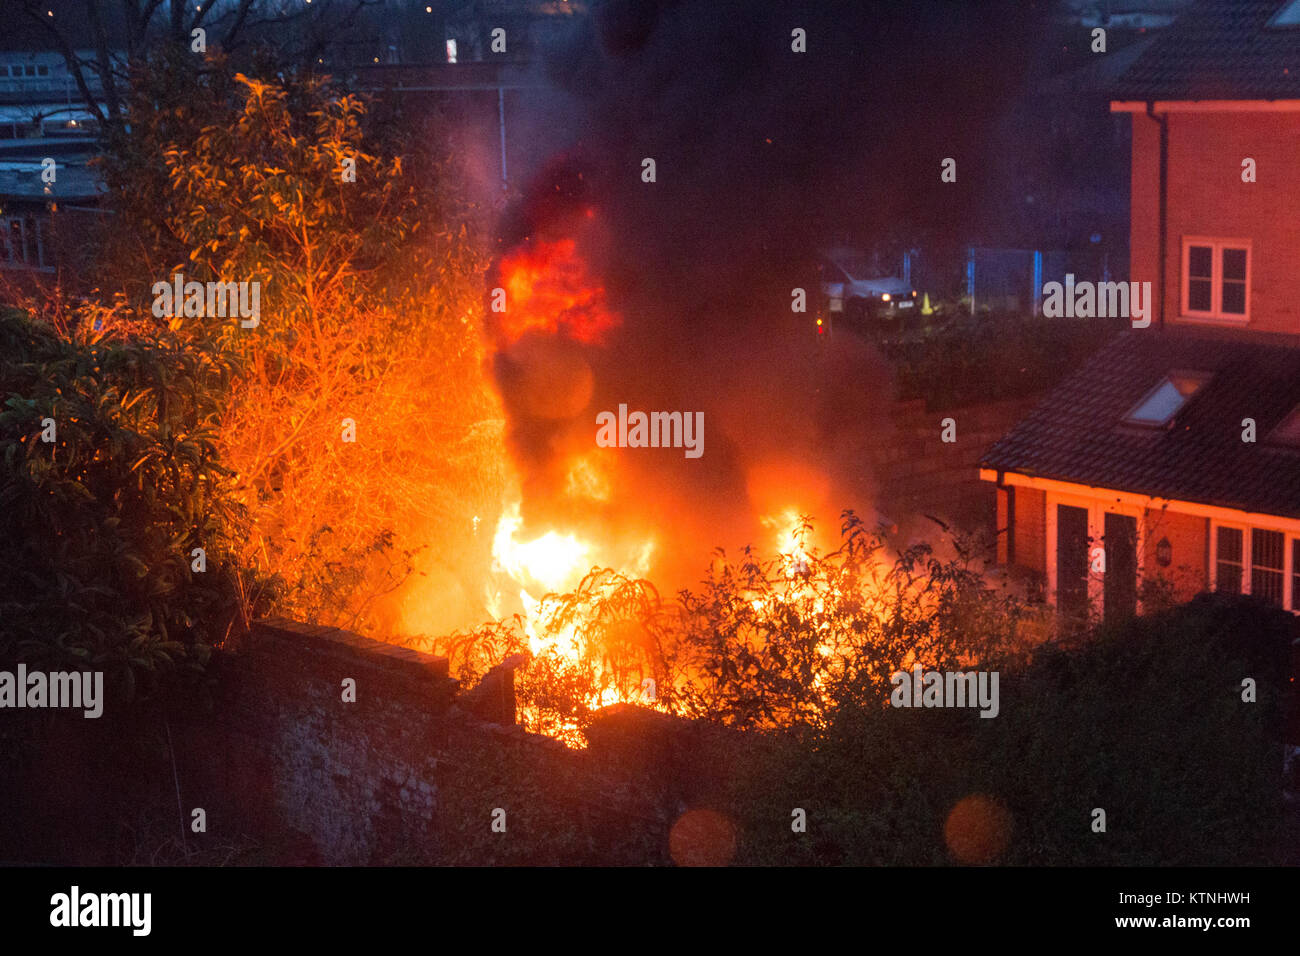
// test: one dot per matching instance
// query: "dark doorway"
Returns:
(1072, 562)
(1120, 592)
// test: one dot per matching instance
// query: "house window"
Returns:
(1288, 16)
(43, 70)
(1267, 565)
(1119, 589)
(1228, 562)
(1295, 574)
(1072, 561)
(1216, 279)
(1257, 561)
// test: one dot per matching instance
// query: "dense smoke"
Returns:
(762, 155)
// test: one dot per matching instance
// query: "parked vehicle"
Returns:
(850, 288)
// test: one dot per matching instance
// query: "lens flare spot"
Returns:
(702, 838)
(977, 830)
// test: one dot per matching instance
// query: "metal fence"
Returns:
(1012, 279)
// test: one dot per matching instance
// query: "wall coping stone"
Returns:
(403, 662)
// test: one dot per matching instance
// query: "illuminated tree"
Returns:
(364, 253)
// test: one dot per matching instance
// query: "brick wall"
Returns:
(918, 473)
(287, 772)
(1206, 197)
(1188, 537)
(411, 773)
(356, 780)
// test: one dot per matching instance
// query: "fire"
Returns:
(545, 582)
(555, 561)
(543, 570)
(790, 542)
(568, 589)
(796, 560)
(558, 561)
(548, 289)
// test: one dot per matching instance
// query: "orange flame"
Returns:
(557, 562)
(548, 289)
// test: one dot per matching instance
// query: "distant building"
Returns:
(40, 97)
(1126, 14)
(46, 133)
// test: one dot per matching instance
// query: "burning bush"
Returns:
(783, 641)
(762, 643)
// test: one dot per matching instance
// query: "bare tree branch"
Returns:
(229, 39)
(104, 57)
(69, 57)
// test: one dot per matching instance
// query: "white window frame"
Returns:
(1097, 509)
(1289, 598)
(1215, 314)
(1245, 553)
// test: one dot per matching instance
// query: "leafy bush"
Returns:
(779, 642)
(994, 357)
(1145, 721)
(369, 288)
(98, 527)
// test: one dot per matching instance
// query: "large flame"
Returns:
(538, 567)
(554, 561)
(542, 569)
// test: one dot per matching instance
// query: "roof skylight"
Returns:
(1288, 16)
(1167, 399)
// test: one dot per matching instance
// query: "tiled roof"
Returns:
(1218, 50)
(1077, 435)
(75, 182)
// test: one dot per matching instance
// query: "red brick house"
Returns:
(1174, 454)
